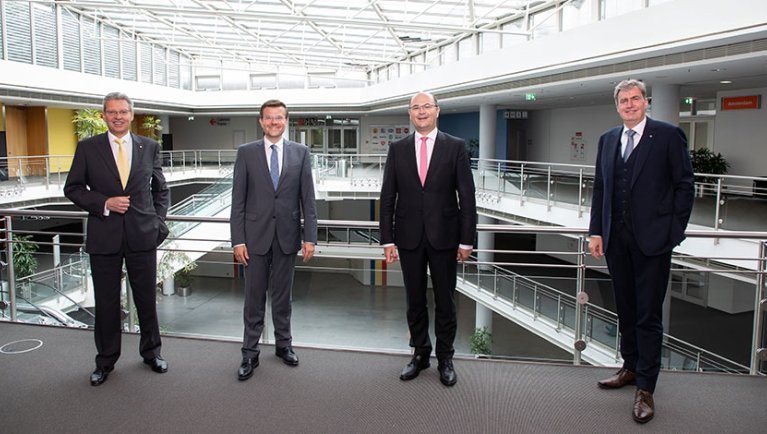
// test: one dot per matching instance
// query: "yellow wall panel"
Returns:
(62, 139)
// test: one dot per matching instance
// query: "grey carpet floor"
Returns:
(47, 391)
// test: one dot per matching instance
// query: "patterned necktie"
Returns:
(629, 144)
(274, 167)
(122, 162)
(423, 166)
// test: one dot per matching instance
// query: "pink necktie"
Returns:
(423, 165)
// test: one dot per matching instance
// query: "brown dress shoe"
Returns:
(644, 406)
(620, 379)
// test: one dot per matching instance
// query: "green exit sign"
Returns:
(529, 97)
(688, 100)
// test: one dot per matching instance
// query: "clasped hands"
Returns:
(390, 252)
(241, 253)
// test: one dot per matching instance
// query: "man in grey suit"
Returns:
(272, 187)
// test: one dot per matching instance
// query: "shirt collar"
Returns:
(432, 136)
(638, 128)
(269, 144)
(126, 138)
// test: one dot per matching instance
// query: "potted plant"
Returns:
(88, 123)
(706, 162)
(24, 262)
(183, 279)
(481, 342)
(152, 128)
(171, 262)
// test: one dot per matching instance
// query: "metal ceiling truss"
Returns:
(309, 34)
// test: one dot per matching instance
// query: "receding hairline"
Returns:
(430, 95)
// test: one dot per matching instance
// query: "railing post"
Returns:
(580, 300)
(717, 207)
(498, 175)
(580, 193)
(757, 351)
(548, 189)
(219, 161)
(11, 274)
(521, 184)
(47, 172)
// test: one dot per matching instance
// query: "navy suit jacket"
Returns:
(259, 213)
(444, 207)
(661, 194)
(93, 178)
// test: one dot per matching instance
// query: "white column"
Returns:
(665, 103)
(485, 240)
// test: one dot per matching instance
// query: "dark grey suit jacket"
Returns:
(93, 178)
(259, 212)
(661, 188)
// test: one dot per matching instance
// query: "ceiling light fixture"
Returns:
(725, 82)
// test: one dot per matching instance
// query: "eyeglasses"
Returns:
(417, 107)
(113, 113)
(279, 119)
(635, 99)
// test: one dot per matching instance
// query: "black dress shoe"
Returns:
(287, 355)
(644, 406)
(447, 373)
(246, 368)
(100, 375)
(620, 379)
(158, 364)
(418, 363)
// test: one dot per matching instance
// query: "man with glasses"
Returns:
(271, 189)
(642, 200)
(428, 216)
(117, 177)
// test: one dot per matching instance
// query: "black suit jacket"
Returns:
(93, 178)
(661, 187)
(444, 207)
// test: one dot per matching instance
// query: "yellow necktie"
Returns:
(122, 162)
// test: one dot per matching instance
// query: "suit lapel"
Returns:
(410, 158)
(436, 156)
(261, 165)
(613, 144)
(643, 149)
(138, 154)
(105, 150)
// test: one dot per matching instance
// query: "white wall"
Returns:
(550, 132)
(200, 134)
(741, 135)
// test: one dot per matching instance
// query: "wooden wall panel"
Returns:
(37, 140)
(16, 137)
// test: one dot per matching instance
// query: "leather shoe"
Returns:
(644, 406)
(287, 355)
(620, 379)
(158, 364)
(246, 368)
(418, 363)
(100, 375)
(447, 373)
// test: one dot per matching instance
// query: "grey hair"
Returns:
(112, 96)
(628, 84)
(434, 98)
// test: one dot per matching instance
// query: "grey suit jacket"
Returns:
(259, 212)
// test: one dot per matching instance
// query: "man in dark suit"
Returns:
(117, 178)
(272, 187)
(428, 215)
(642, 200)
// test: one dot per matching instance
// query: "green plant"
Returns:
(88, 123)
(182, 277)
(174, 262)
(24, 261)
(481, 341)
(152, 127)
(705, 161)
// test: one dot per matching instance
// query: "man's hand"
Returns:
(595, 246)
(308, 251)
(390, 252)
(118, 204)
(241, 254)
(463, 254)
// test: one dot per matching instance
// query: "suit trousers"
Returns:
(279, 268)
(106, 271)
(639, 284)
(442, 264)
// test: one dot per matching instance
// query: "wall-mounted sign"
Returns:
(218, 122)
(577, 147)
(382, 135)
(515, 114)
(747, 102)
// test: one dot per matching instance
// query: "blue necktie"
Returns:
(274, 167)
(629, 144)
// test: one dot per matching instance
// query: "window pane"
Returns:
(159, 65)
(576, 13)
(111, 52)
(129, 58)
(511, 39)
(174, 74)
(466, 48)
(46, 48)
(489, 42)
(91, 46)
(145, 51)
(70, 35)
(544, 23)
(18, 32)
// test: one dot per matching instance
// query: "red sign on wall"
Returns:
(742, 102)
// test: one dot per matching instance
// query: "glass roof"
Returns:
(332, 35)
